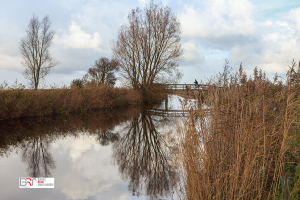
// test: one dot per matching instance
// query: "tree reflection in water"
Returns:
(35, 152)
(140, 149)
(105, 137)
(33, 138)
(142, 156)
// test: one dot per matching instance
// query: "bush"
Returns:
(77, 83)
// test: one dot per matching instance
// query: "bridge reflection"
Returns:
(169, 113)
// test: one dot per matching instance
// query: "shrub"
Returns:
(77, 83)
(17, 103)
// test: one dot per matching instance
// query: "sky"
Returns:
(262, 33)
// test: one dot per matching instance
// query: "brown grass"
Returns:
(242, 148)
(19, 103)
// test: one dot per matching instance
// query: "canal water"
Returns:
(116, 154)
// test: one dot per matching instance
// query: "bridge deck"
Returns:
(185, 87)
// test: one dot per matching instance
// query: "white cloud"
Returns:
(8, 62)
(277, 45)
(294, 17)
(78, 39)
(191, 54)
(219, 18)
(228, 26)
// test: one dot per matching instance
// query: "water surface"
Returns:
(115, 154)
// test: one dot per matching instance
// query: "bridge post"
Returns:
(166, 102)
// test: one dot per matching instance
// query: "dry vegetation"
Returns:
(20, 103)
(246, 144)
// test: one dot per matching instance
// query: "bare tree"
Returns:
(102, 72)
(148, 48)
(34, 47)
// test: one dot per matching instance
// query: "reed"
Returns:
(247, 142)
(20, 103)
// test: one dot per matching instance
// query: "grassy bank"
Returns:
(247, 143)
(19, 103)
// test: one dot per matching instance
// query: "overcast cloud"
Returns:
(255, 33)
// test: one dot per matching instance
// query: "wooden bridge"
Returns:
(171, 113)
(185, 87)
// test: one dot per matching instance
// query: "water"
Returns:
(119, 154)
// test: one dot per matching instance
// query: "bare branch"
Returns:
(148, 48)
(34, 47)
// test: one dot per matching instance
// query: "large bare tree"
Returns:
(34, 47)
(148, 49)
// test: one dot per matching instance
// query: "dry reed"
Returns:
(20, 103)
(244, 146)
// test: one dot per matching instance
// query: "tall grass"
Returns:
(19, 103)
(246, 144)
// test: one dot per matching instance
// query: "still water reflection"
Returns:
(35, 152)
(120, 154)
(142, 156)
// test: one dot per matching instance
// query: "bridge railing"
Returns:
(186, 87)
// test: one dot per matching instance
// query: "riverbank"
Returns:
(20, 103)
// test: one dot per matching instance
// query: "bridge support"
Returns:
(166, 102)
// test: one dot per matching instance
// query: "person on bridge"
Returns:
(196, 82)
